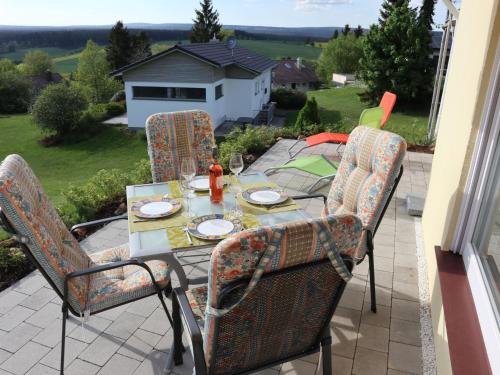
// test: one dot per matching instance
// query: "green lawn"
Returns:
(343, 104)
(277, 49)
(52, 52)
(58, 166)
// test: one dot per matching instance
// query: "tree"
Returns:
(308, 115)
(340, 55)
(426, 14)
(358, 32)
(7, 65)
(140, 47)
(59, 109)
(396, 58)
(118, 48)
(387, 7)
(92, 75)
(347, 30)
(36, 62)
(335, 34)
(15, 90)
(206, 25)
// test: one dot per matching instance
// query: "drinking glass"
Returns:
(236, 164)
(188, 171)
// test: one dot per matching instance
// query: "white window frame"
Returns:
(476, 190)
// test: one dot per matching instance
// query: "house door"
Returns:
(478, 235)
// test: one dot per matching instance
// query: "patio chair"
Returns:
(271, 295)
(87, 284)
(368, 174)
(174, 135)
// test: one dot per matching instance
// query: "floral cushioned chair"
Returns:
(88, 284)
(367, 177)
(271, 294)
(175, 135)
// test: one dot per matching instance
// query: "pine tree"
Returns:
(206, 25)
(396, 58)
(426, 14)
(358, 31)
(308, 115)
(118, 51)
(347, 30)
(387, 8)
(141, 47)
(335, 34)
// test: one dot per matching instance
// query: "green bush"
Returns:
(11, 259)
(288, 99)
(15, 92)
(253, 140)
(59, 108)
(84, 202)
(340, 55)
(114, 109)
(308, 115)
(104, 111)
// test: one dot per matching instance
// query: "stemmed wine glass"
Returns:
(236, 166)
(188, 171)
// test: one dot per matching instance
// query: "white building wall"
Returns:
(138, 110)
(238, 95)
(220, 104)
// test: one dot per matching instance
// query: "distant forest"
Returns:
(72, 39)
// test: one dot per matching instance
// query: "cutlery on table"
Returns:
(188, 235)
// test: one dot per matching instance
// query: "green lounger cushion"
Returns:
(317, 165)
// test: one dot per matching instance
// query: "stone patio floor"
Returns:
(135, 338)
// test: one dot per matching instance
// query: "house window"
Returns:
(294, 86)
(218, 92)
(256, 88)
(170, 93)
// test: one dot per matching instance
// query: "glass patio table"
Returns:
(155, 244)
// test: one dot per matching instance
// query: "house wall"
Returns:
(472, 56)
(175, 67)
(302, 87)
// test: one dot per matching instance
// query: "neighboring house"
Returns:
(228, 84)
(41, 81)
(294, 75)
(461, 220)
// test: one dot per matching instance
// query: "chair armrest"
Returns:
(97, 222)
(369, 239)
(310, 196)
(193, 330)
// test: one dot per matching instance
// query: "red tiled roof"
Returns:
(287, 71)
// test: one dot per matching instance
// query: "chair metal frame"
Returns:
(181, 306)
(66, 306)
(369, 236)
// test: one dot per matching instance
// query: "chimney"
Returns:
(48, 75)
(214, 39)
(299, 63)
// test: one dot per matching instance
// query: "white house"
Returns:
(226, 83)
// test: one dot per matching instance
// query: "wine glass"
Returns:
(188, 171)
(236, 166)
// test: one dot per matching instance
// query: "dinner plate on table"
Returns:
(150, 208)
(264, 195)
(201, 183)
(214, 227)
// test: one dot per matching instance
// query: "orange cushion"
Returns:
(320, 138)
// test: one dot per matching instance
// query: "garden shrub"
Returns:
(288, 99)
(114, 109)
(308, 115)
(106, 188)
(59, 108)
(15, 92)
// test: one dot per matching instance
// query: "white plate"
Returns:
(156, 208)
(201, 183)
(215, 227)
(265, 196)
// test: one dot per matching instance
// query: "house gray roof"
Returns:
(215, 53)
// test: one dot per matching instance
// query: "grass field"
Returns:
(343, 104)
(58, 166)
(52, 52)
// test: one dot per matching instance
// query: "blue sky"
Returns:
(241, 12)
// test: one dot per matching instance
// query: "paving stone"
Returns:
(153, 364)
(45, 316)
(373, 337)
(101, 350)
(383, 264)
(396, 372)
(405, 332)
(405, 357)
(356, 284)
(118, 364)
(40, 369)
(39, 299)
(73, 349)
(165, 342)
(352, 300)
(369, 362)
(382, 318)
(405, 310)
(405, 291)
(405, 260)
(4, 355)
(25, 358)
(14, 317)
(297, 367)
(79, 367)
(139, 345)
(343, 340)
(415, 203)
(91, 329)
(18, 337)
(125, 325)
(157, 323)
(10, 300)
(51, 335)
(383, 296)
(30, 284)
(113, 313)
(383, 279)
(145, 306)
(407, 275)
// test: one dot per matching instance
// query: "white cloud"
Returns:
(318, 4)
